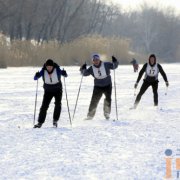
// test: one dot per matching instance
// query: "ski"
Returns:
(132, 108)
(110, 119)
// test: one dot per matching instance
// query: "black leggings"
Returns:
(45, 105)
(144, 87)
(97, 94)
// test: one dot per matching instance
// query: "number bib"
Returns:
(51, 78)
(99, 73)
(152, 71)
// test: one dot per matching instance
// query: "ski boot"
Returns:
(88, 118)
(38, 125)
(55, 124)
(107, 116)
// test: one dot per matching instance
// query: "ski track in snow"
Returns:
(130, 148)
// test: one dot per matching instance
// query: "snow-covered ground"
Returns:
(130, 148)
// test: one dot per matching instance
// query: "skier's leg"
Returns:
(97, 94)
(143, 88)
(107, 101)
(155, 92)
(134, 67)
(57, 108)
(44, 107)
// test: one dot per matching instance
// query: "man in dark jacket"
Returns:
(51, 74)
(151, 70)
(102, 84)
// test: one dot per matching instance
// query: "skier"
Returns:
(51, 74)
(135, 65)
(102, 84)
(151, 69)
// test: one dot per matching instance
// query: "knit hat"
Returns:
(49, 62)
(95, 56)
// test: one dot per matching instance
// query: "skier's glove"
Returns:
(83, 67)
(114, 60)
(135, 85)
(37, 76)
(167, 84)
(64, 73)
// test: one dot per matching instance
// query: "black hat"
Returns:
(49, 62)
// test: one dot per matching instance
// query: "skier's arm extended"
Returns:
(38, 74)
(141, 73)
(84, 71)
(162, 73)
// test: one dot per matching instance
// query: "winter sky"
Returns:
(135, 4)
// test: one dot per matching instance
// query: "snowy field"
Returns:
(131, 148)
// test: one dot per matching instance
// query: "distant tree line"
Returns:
(61, 20)
(149, 30)
(28, 53)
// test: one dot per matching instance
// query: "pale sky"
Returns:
(135, 4)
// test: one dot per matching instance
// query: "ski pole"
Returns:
(35, 103)
(67, 102)
(166, 90)
(134, 91)
(77, 97)
(115, 91)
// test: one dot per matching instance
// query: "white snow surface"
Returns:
(131, 147)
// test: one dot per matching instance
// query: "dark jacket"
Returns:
(101, 82)
(149, 78)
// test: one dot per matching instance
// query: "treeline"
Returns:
(65, 21)
(150, 30)
(61, 20)
(76, 52)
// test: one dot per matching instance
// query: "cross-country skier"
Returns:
(135, 65)
(102, 84)
(151, 70)
(51, 75)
